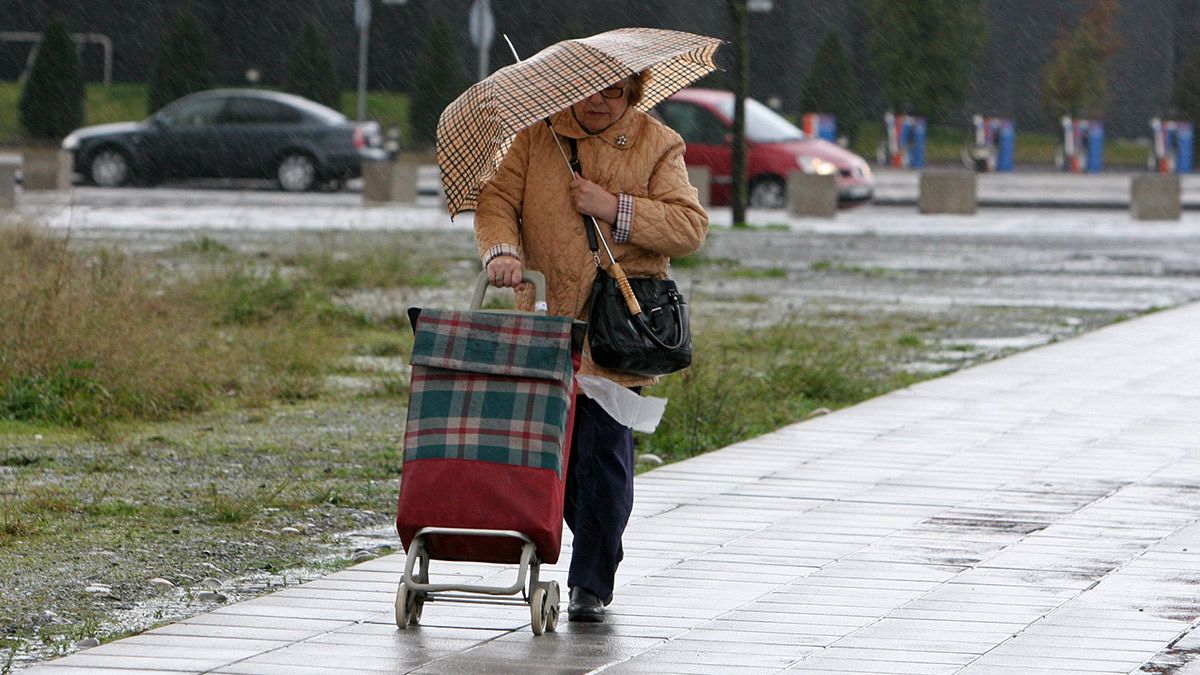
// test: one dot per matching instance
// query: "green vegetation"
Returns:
(1075, 81)
(926, 52)
(51, 104)
(310, 71)
(437, 83)
(86, 340)
(1186, 92)
(182, 64)
(765, 378)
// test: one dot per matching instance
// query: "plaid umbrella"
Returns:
(477, 129)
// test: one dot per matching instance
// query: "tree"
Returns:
(925, 52)
(310, 72)
(832, 88)
(51, 104)
(438, 81)
(1075, 81)
(182, 65)
(1186, 97)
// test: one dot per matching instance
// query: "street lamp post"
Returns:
(362, 20)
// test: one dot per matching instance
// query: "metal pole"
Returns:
(483, 46)
(363, 35)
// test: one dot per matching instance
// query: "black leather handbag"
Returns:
(653, 341)
(657, 341)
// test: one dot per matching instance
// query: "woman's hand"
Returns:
(592, 200)
(505, 271)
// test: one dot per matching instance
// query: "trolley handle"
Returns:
(531, 276)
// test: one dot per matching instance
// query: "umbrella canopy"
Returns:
(477, 129)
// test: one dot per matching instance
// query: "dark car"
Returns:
(774, 148)
(229, 133)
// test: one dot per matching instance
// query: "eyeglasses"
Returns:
(612, 92)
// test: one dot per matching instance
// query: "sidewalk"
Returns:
(1038, 514)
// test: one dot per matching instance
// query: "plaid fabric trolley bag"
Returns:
(485, 451)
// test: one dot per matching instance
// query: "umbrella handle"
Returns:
(631, 301)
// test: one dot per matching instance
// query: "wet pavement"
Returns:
(1036, 514)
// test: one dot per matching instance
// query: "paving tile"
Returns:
(60, 667)
(827, 664)
(102, 662)
(259, 668)
(217, 632)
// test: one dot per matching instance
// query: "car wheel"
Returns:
(109, 168)
(768, 193)
(296, 173)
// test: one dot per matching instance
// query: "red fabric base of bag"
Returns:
(483, 495)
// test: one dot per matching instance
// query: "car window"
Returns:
(259, 111)
(694, 123)
(763, 125)
(193, 113)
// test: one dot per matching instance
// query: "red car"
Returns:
(774, 147)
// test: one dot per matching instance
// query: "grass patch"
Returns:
(697, 260)
(759, 273)
(762, 379)
(95, 337)
(843, 268)
(384, 267)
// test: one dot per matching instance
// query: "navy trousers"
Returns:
(599, 497)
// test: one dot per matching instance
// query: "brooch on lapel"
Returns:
(622, 141)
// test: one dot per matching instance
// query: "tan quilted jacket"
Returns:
(527, 205)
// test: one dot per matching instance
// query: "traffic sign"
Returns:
(362, 14)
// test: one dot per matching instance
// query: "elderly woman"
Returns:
(529, 216)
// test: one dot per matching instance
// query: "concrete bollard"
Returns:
(46, 169)
(812, 195)
(947, 191)
(9, 165)
(1155, 197)
(390, 181)
(701, 178)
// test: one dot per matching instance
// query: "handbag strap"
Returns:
(589, 231)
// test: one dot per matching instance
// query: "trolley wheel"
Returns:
(538, 609)
(408, 607)
(552, 600)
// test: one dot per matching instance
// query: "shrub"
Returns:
(182, 65)
(1186, 96)
(832, 88)
(52, 101)
(310, 72)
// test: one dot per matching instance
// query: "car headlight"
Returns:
(71, 142)
(816, 165)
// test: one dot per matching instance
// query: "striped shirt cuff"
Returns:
(499, 250)
(621, 229)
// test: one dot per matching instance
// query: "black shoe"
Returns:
(585, 606)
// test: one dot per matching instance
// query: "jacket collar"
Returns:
(621, 134)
